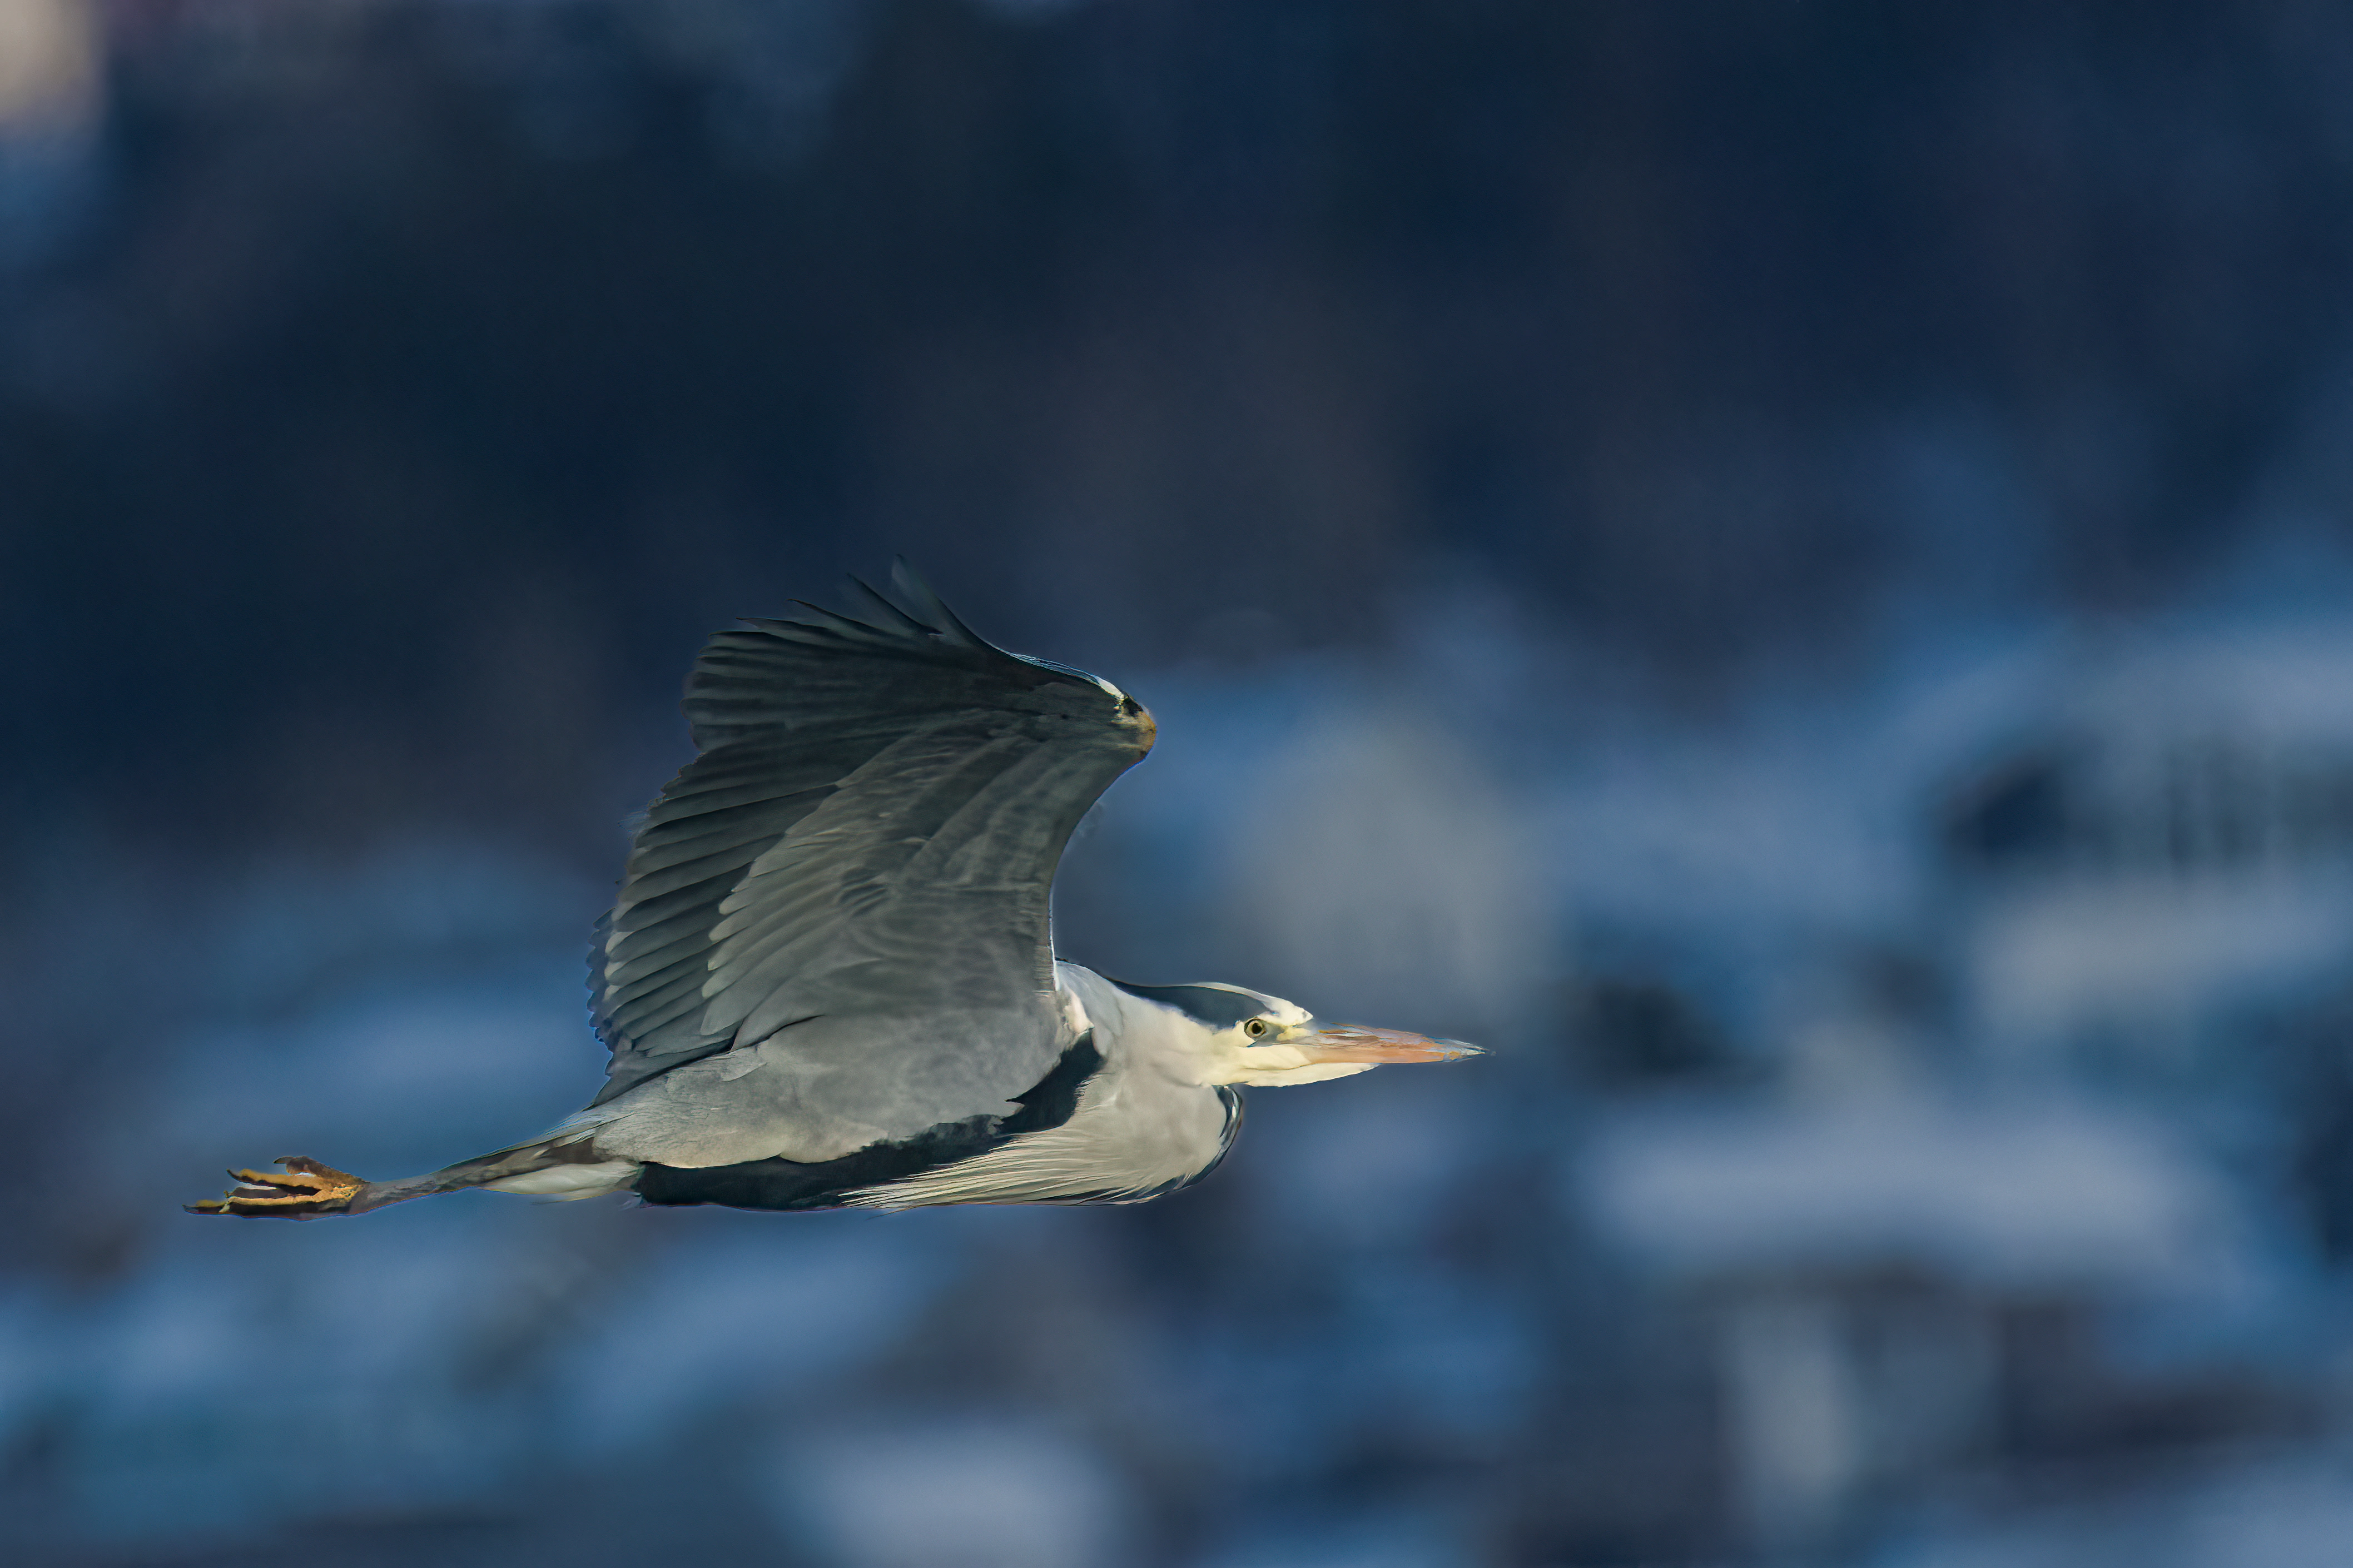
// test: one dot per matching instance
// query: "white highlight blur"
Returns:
(48, 65)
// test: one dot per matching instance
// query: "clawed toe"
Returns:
(304, 1189)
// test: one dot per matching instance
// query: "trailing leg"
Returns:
(309, 1190)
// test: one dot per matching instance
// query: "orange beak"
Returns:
(1359, 1043)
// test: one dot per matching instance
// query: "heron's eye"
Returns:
(1255, 1028)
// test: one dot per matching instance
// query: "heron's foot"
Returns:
(305, 1190)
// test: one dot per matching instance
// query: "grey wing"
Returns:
(871, 830)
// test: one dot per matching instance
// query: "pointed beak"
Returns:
(1375, 1047)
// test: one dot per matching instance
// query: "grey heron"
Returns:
(829, 979)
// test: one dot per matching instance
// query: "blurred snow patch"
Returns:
(1722, 833)
(423, 1072)
(1361, 1537)
(731, 1317)
(241, 1381)
(2052, 1193)
(1386, 867)
(1369, 1166)
(954, 1494)
(2280, 1515)
(295, 928)
(2156, 951)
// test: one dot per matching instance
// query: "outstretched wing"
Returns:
(870, 829)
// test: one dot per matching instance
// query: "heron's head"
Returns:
(1249, 1037)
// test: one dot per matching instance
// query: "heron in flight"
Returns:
(828, 979)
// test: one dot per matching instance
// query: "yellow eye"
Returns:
(1255, 1027)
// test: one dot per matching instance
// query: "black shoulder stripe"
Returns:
(1054, 1098)
(791, 1185)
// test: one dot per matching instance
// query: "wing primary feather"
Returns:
(891, 616)
(801, 632)
(687, 848)
(804, 627)
(641, 911)
(622, 971)
(650, 1014)
(741, 766)
(909, 583)
(671, 878)
(679, 807)
(773, 811)
(653, 992)
(842, 626)
(629, 946)
(744, 659)
(769, 909)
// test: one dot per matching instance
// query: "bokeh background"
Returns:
(1786, 564)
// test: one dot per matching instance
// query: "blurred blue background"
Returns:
(1786, 564)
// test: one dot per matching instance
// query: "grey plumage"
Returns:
(871, 830)
(829, 978)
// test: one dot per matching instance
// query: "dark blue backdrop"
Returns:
(1781, 561)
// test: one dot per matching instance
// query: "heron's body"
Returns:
(829, 979)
